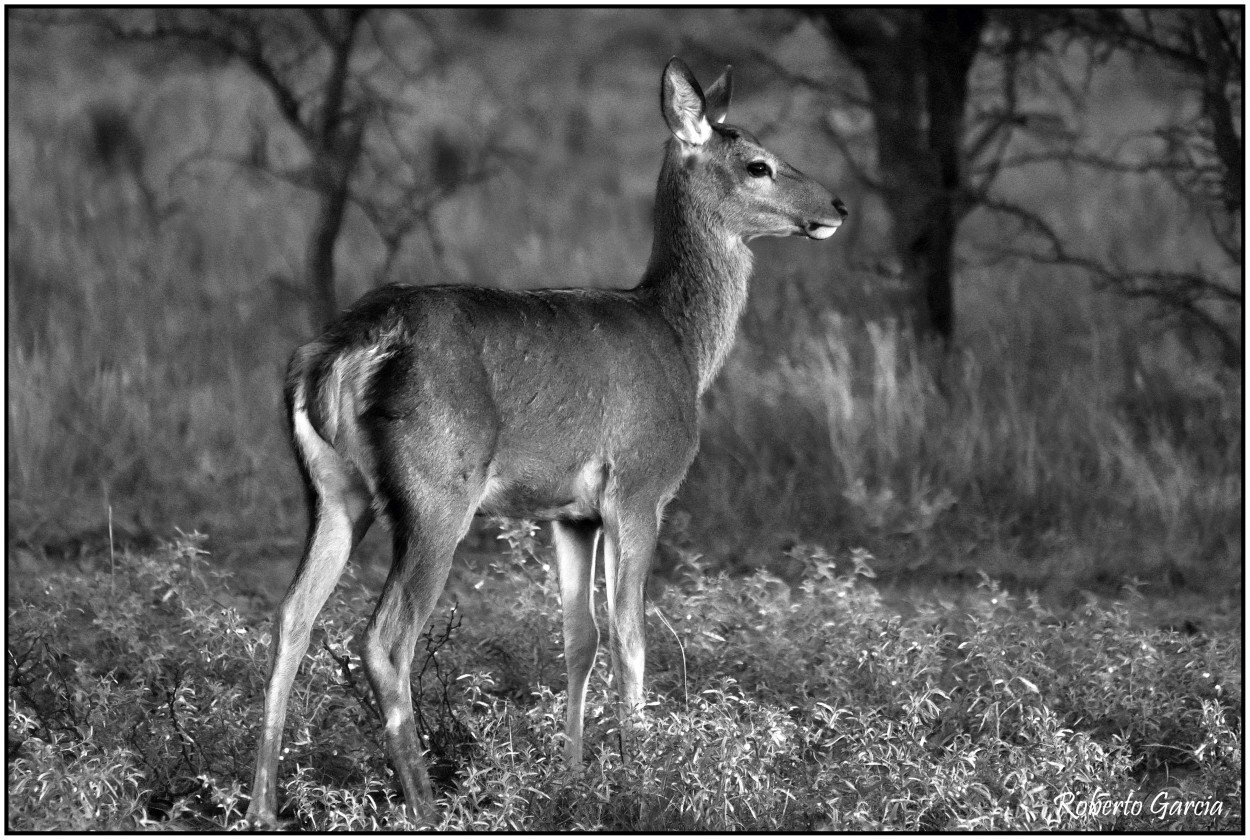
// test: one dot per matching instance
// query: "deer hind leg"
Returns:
(340, 517)
(425, 534)
(630, 534)
(575, 552)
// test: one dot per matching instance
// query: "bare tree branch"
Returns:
(310, 62)
(1185, 294)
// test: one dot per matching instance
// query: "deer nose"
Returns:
(841, 208)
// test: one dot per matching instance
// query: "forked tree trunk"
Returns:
(338, 133)
(331, 204)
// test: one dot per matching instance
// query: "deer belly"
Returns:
(539, 492)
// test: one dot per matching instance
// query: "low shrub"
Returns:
(135, 692)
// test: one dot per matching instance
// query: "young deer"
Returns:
(426, 405)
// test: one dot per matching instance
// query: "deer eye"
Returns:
(758, 169)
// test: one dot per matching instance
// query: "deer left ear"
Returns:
(717, 96)
(682, 103)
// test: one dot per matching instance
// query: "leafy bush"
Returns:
(135, 691)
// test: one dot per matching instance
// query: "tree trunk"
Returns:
(915, 64)
(331, 204)
(1217, 48)
(952, 37)
(337, 148)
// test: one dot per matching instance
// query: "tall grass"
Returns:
(1092, 472)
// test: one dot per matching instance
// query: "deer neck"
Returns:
(699, 271)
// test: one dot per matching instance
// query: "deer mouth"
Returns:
(820, 230)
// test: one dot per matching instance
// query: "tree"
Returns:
(338, 80)
(1199, 155)
(942, 144)
(915, 65)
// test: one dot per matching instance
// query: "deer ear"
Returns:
(682, 103)
(717, 96)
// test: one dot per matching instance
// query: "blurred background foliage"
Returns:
(1022, 354)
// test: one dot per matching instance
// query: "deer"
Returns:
(427, 405)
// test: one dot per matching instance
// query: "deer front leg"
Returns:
(575, 552)
(629, 545)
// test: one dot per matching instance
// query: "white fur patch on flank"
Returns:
(491, 489)
(592, 481)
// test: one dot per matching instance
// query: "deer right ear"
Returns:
(717, 96)
(683, 105)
